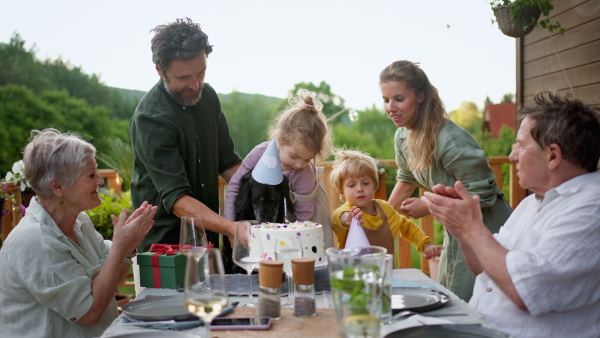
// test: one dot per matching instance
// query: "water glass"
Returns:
(386, 294)
(191, 234)
(287, 248)
(357, 286)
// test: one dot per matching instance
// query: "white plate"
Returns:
(417, 299)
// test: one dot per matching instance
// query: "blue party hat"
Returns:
(268, 169)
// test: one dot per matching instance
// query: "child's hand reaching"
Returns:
(355, 212)
(431, 251)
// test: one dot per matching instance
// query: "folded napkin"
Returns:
(412, 321)
(356, 237)
(401, 283)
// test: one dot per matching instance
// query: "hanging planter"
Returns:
(520, 23)
(517, 18)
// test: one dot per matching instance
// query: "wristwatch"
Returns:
(128, 258)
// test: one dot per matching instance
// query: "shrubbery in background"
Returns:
(112, 204)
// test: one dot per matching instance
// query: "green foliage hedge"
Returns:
(112, 204)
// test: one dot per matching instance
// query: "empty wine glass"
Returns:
(205, 292)
(191, 234)
(287, 248)
(246, 254)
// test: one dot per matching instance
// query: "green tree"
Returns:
(19, 66)
(248, 117)
(467, 116)
(20, 112)
(372, 133)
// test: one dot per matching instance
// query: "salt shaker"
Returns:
(269, 295)
(303, 270)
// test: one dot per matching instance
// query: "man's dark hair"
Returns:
(180, 40)
(571, 124)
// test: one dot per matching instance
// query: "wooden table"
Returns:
(466, 315)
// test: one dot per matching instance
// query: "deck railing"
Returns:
(403, 251)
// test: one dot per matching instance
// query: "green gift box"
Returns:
(168, 273)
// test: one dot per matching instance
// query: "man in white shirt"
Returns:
(540, 275)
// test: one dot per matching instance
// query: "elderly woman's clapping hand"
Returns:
(129, 232)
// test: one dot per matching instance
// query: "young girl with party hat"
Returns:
(299, 137)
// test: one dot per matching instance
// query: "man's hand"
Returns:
(454, 207)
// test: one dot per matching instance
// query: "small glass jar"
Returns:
(269, 294)
(304, 287)
(269, 302)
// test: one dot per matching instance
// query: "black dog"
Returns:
(263, 202)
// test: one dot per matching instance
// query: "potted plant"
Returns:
(517, 18)
(18, 176)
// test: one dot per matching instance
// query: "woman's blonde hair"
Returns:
(303, 122)
(421, 144)
(352, 163)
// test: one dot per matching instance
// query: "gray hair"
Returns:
(570, 123)
(180, 40)
(52, 154)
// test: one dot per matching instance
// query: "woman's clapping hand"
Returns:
(129, 232)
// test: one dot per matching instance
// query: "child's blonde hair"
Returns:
(352, 163)
(303, 122)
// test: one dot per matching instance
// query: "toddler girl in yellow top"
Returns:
(355, 177)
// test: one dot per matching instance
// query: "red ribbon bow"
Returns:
(160, 249)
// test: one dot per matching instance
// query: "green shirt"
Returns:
(177, 151)
(458, 157)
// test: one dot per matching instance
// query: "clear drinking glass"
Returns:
(246, 254)
(205, 291)
(356, 277)
(191, 234)
(286, 248)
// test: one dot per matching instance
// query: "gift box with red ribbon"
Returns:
(162, 267)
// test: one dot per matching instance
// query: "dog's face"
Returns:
(262, 202)
(266, 200)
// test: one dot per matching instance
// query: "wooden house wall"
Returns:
(539, 66)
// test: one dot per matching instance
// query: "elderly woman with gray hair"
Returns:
(57, 274)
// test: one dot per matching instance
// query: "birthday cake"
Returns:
(310, 234)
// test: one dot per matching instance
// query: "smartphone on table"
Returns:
(249, 323)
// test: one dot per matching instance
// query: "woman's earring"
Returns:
(61, 202)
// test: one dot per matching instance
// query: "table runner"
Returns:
(289, 326)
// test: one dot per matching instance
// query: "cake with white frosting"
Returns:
(310, 234)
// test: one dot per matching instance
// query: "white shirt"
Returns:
(46, 279)
(554, 263)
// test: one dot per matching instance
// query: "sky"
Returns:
(266, 47)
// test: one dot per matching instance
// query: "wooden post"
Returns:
(13, 218)
(517, 194)
(113, 180)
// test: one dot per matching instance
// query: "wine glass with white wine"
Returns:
(205, 291)
(287, 248)
(246, 254)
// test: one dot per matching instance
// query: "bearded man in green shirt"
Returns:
(181, 139)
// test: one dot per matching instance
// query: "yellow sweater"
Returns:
(397, 222)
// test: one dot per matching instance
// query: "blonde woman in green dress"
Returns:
(431, 149)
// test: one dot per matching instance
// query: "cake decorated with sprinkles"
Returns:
(310, 234)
